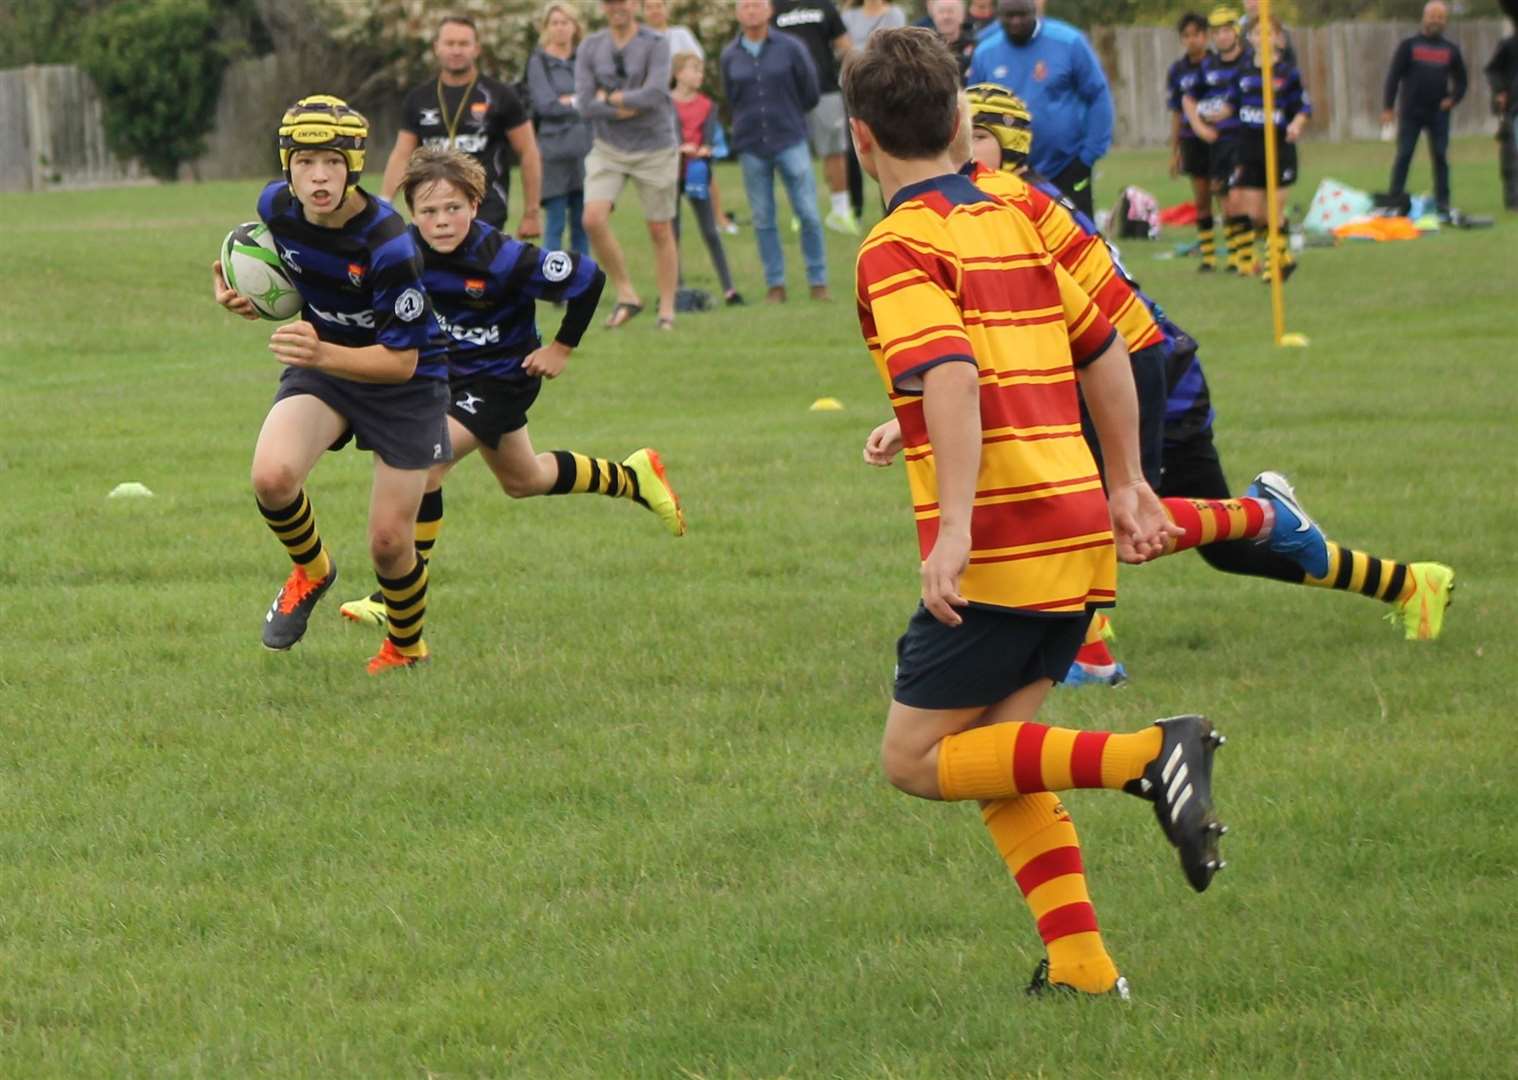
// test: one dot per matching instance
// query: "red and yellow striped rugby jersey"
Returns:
(952, 274)
(1080, 249)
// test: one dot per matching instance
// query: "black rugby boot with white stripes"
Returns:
(1040, 986)
(1179, 783)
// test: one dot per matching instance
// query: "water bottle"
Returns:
(698, 178)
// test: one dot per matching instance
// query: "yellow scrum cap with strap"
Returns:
(1006, 117)
(324, 122)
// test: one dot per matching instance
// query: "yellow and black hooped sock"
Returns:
(579, 474)
(429, 522)
(295, 526)
(1207, 240)
(1233, 233)
(1281, 249)
(406, 609)
(1246, 246)
(1354, 571)
(1039, 844)
(1000, 761)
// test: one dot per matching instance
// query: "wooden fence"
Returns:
(51, 135)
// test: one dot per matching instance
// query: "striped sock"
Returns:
(406, 609)
(1233, 233)
(1015, 758)
(1208, 521)
(1354, 571)
(1204, 231)
(579, 474)
(1038, 842)
(1093, 652)
(295, 526)
(1246, 246)
(429, 522)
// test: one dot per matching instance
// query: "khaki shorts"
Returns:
(826, 127)
(655, 172)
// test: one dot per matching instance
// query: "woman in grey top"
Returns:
(863, 19)
(563, 134)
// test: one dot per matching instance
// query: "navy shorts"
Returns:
(991, 655)
(406, 424)
(1196, 158)
(488, 407)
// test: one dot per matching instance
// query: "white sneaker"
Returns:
(841, 223)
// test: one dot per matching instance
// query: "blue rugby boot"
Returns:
(1294, 534)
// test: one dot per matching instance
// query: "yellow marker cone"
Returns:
(1294, 341)
(827, 404)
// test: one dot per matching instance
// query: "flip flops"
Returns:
(621, 314)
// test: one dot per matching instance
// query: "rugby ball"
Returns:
(250, 263)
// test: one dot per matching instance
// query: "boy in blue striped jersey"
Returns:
(484, 286)
(1292, 109)
(366, 361)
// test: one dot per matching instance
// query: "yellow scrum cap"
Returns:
(324, 122)
(1006, 117)
(1222, 15)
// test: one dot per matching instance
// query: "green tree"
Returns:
(158, 67)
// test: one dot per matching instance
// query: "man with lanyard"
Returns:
(474, 113)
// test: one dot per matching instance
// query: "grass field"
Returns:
(629, 822)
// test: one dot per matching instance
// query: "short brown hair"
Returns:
(458, 20)
(904, 84)
(428, 166)
(680, 61)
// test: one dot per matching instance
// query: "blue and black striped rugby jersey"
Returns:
(361, 284)
(484, 294)
(1184, 80)
(1214, 92)
(1248, 97)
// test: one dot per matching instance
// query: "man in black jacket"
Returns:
(1502, 73)
(1430, 72)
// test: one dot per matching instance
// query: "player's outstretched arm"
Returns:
(227, 297)
(883, 444)
(297, 345)
(579, 308)
(1139, 523)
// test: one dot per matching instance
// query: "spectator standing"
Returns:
(681, 40)
(982, 15)
(949, 19)
(818, 26)
(481, 116)
(1425, 81)
(1050, 65)
(1502, 74)
(622, 86)
(863, 19)
(698, 132)
(771, 86)
(563, 134)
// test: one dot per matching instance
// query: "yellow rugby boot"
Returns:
(654, 489)
(1422, 613)
(367, 610)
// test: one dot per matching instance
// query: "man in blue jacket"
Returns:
(1050, 65)
(771, 84)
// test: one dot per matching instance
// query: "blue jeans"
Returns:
(1409, 126)
(572, 202)
(795, 166)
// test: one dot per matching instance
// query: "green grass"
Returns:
(629, 823)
